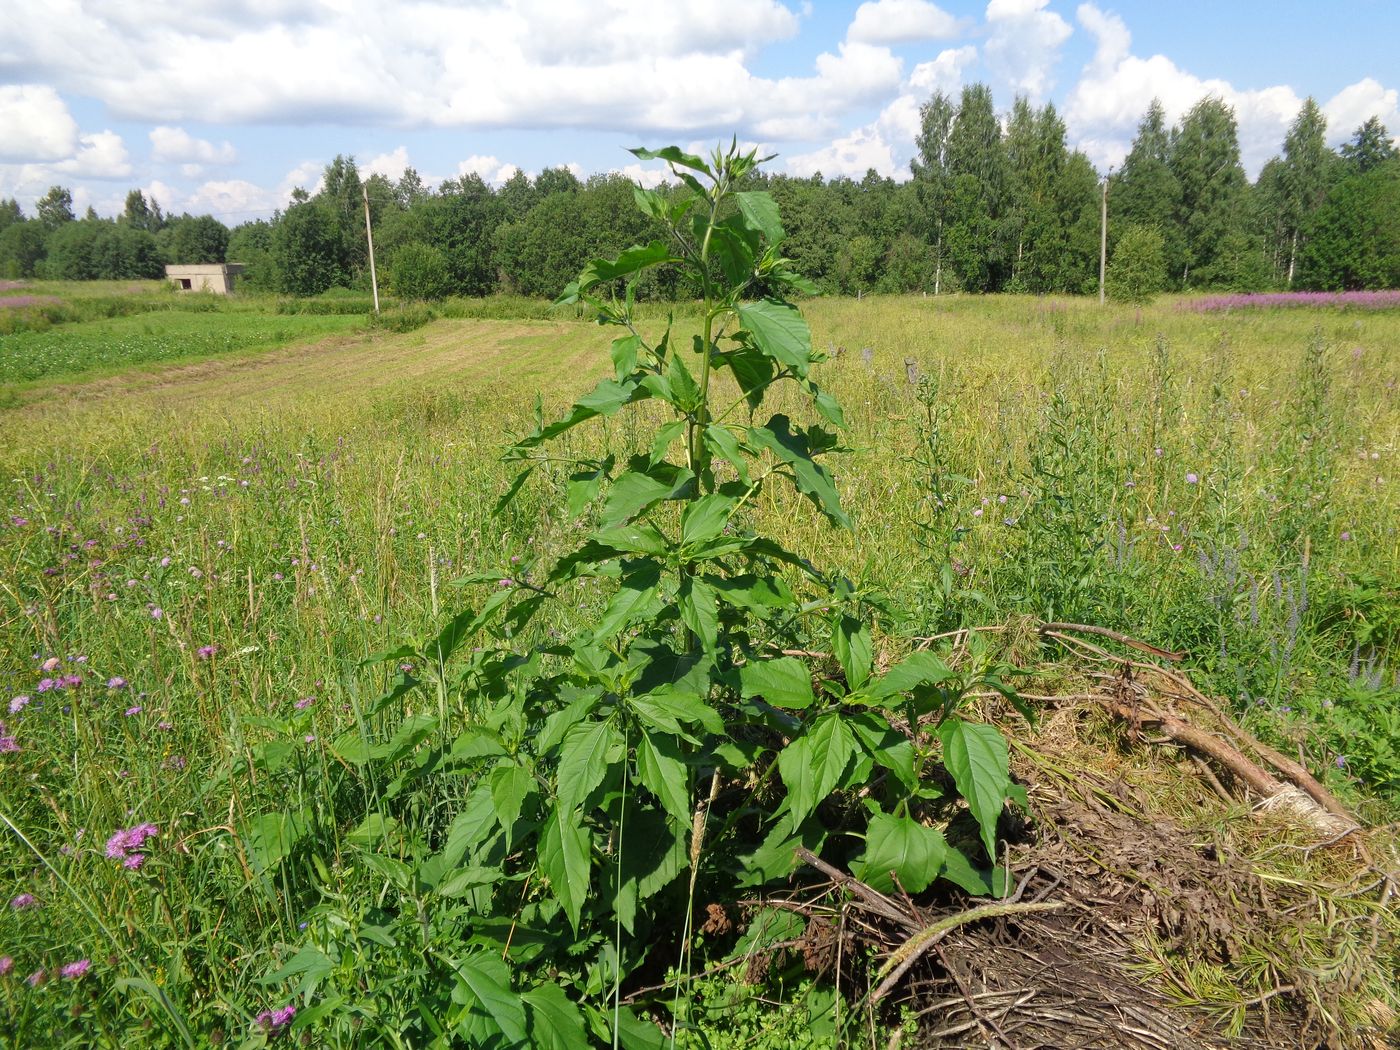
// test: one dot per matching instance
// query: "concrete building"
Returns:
(204, 277)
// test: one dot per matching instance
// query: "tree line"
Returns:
(995, 203)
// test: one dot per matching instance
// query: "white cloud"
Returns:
(887, 143)
(900, 22)
(35, 125)
(491, 169)
(177, 146)
(1024, 44)
(649, 178)
(1106, 105)
(101, 155)
(634, 64)
(1351, 107)
(391, 165)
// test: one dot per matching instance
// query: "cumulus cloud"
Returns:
(1024, 43)
(391, 165)
(886, 144)
(496, 63)
(35, 125)
(901, 22)
(491, 169)
(177, 146)
(1351, 107)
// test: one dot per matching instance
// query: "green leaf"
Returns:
(582, 489)
(683, 389)
(633, 539)
(375, 830)
(760, 214)
(916, 669)
(829, 407)
(705, 518)
(850, 641)
(665, 438)
(636, 599)
(583, 761)
(784, 682)
(565, 861)
(976, 756)
(660, 768)
(603, 400)
(271, 837)
(779, 331)
(668, 709)
(904, 846)
(308, 960)
(811, 766)
(555, 1022)
(411, 732)
(756, 594)
(722, 443)
(754, 372)
(624, 354)
(673, 155)
(463, 626)
(463, 880)
(628, 262)
(515, 486)
(510, 786)
(488, 979)
(635, 491)
(700, 611)
(887, 747)
(793, 448)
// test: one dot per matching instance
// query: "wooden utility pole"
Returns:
(1103, 238)
(369, 235)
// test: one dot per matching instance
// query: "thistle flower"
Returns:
(73, 970)
(23, 902)
(117, 682)
(274, 1021)
(1192, 479)
(126, 841)
(6, 965)
(18, 704)
(204, 652)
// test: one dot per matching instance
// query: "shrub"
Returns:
(420, 272)
(1138, 270)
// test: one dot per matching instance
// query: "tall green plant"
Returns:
(686, 738)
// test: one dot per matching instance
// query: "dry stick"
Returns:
(873, 899)
(908, 953)
(970, 999)
(1117, 636)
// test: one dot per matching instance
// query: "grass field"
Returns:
(196, 553)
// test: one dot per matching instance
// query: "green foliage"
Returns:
(1138, 269)
(1352, 240)
(306, 250)
(420, 272)
(194, 240)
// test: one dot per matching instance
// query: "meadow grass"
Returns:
(195, 558)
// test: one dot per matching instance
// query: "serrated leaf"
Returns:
(811, 766)
(660, 768)
(684, 390)
(754, 371)
(628, 262)
(462, 880)
(488, 979)
(510, 786)
(904, 846)
(722, 443)
(624, 352)
(565, 861)
(375, 830)
(630, 604)
(583, 761)
(779, 331)
(760, 595)
(634, 492)
(916, 669)
(976, 756)
(555, 1022)
(582, 489)
(887, 747)
(793, 448)
(665, 438)
(508, 497)
(633, 539)
(784, 682)
(850, 641)
(705, 518)
(673, 155)
(760, 214)
(700, 611)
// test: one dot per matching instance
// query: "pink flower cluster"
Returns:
(274, 1021)
(126, 843)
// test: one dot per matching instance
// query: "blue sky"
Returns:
(226, 105)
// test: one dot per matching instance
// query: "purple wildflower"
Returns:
(1341, 761)
(36, 978)
(156, 612)
(274, 1021)
(131, 711)
(134, 862)
(125, 841)
(117, 682)
(507, 582)
(1191, 479)
(18, 704)
(51, 664)
(1345, 536)
(304, 703)
(24, 901)
(73, 970)
(6, 965)
(206, 651)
